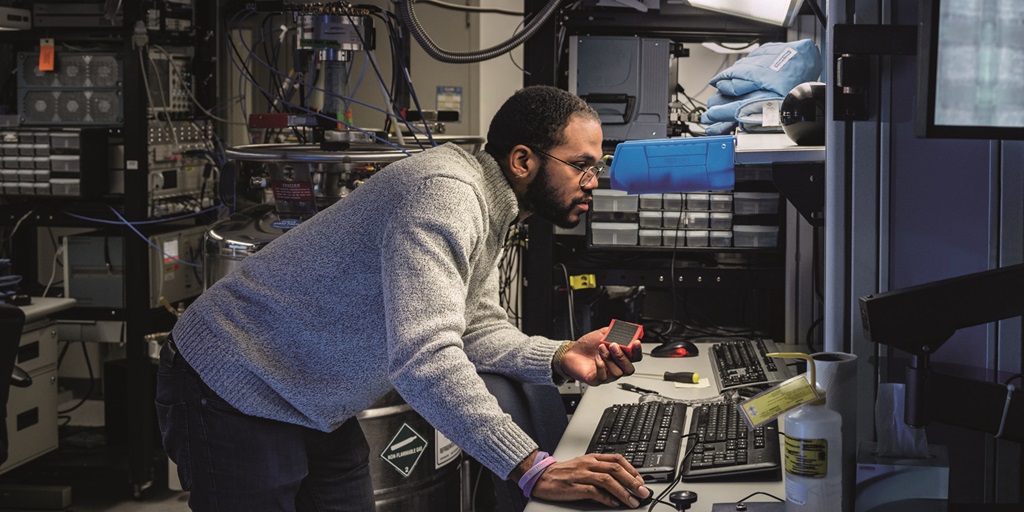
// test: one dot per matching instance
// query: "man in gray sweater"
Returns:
(393, 287)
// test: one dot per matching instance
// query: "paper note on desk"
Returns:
(768, 405)
(702, 383)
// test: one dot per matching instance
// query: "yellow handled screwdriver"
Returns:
(684, 377)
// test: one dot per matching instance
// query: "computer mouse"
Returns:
(644, 501)
(678, 348)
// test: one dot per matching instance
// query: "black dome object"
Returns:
(803, 114)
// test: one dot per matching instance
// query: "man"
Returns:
(393, 287)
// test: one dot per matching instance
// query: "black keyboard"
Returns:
(721, 446)
(743, 362)
(649, 435)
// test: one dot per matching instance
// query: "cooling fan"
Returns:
(104, 70)
(39, 107)
(73, 107)
(105, 107)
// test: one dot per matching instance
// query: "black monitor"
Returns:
(970, 57)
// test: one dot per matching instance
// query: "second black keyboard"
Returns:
(722, 447)
(744, 362)
(649, 435)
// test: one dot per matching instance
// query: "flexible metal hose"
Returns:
(408, 16)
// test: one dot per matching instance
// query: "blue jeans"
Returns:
(231, 461)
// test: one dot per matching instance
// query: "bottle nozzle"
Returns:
(805, 357)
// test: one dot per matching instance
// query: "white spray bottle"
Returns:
(813, 453)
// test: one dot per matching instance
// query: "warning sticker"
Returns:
(292, 190)
(445, 450)
(769, 404)
(404, 450)
(806, 457)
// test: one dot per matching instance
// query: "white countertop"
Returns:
(767, 148)
(41, 307)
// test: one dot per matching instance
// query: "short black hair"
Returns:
(534, 116)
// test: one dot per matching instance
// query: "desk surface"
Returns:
(581, 427)
(42, 307)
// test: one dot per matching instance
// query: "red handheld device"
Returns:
(623, 333)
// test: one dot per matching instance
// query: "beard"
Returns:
(544, 199)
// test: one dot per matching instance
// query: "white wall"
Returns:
(499, 78)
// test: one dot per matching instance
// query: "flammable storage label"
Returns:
(806, 457)
(404, 450)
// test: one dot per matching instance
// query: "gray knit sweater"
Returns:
(395, 286)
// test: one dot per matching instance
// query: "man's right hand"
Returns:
(604, 478)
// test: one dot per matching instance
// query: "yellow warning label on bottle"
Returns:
(806, 457)
(769, 404)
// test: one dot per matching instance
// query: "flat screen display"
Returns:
(971, 69)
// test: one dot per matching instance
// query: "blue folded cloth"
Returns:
(777, 67)
(724, 113)
(724, 108)
(767, 73)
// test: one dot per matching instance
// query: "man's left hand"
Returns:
(592, 362)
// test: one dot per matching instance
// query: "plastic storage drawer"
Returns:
(720, 238)
(748, 203)
(698, 201)
(650, 201)
(697, 238)
(755, 236)
(650, 219)
(614, 233)
(720, 220)
(606, 200)
(650, 237)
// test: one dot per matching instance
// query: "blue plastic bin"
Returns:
(674, 165)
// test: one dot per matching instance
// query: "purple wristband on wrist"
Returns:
(529, 479)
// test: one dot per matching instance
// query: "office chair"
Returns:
(12, 321)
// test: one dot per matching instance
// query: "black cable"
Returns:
(106, 255)
(679, 478)
(391, 93)
(92, 380)
(689, 98)
(395, 46)
(63, 351)
(751, 495)
(510, 56)
(241, 61)
(275, 80)
(1013, 378)
(470, 8)
(511, 265)
(408, 16)
(402, 71)
(743, 46)
(672, 263)
(810, 335)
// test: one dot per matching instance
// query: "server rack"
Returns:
(135, 464)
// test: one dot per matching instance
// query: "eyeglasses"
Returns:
(591, 172)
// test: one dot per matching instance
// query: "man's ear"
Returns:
(519, 162)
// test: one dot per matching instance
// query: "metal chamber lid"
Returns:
(244, 232)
